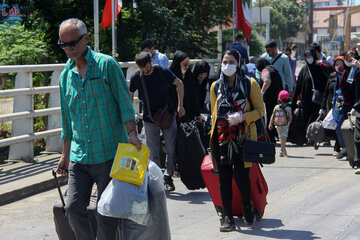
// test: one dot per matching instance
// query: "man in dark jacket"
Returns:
(356, 111)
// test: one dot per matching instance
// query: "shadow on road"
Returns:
(257, 230)
(192, 197)
(28, 170)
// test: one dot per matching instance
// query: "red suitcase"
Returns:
(259, 189)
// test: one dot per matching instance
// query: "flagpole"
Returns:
(113, 14)
(234, 19)
(96, 26)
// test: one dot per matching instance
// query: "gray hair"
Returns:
(77, 23)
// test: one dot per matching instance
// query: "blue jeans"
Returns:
(81, 180)
(152, 135)
(339, 134)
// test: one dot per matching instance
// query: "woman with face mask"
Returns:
(343, 99)
(234, 112)
(180, 67)
(313, 75)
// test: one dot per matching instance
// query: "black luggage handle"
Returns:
(58, 186)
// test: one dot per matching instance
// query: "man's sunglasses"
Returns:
(70, 44)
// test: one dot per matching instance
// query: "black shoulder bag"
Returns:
(256, 151)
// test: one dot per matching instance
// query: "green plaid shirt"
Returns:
(94, 110)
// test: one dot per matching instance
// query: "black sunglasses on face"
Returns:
(70, 44)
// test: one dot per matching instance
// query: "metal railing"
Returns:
(22, 135)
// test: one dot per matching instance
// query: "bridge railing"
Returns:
(21, 142)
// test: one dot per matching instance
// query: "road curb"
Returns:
(29, 190)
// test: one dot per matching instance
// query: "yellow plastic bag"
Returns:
(129, 164)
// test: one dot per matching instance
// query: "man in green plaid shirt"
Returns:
(97, 114)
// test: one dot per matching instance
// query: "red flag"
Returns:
(106, 17)
(244, 21)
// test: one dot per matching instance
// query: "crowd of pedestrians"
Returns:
(96, 116)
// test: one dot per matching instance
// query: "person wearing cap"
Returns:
(313, 75)
(281, 62)
(156, 56)
(281, 119)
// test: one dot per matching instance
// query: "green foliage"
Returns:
(171, 24)
(256, 45)
(286, 17)
(19, 46)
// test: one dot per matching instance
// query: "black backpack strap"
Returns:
(277, 57)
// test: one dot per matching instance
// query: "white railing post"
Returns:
(53, 144)
(22, 151)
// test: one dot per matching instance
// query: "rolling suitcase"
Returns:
(347, 130)
(259, 189)
(62, 226)
(190, 154)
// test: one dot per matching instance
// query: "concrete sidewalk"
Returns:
(22, 179)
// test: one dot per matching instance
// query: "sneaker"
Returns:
(169, 184)
(357, 171)
(249, 215)
(227, 224)
(335, 153)
(282, 154)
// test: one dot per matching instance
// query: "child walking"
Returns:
(281, 118)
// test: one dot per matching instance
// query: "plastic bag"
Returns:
(129, 164)
(157, 227)
(329, 121)
(125, 200)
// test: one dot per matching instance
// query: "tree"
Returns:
(19, 46)
(172, 24)
(286, 17)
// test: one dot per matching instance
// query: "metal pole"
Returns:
(113, 14)
(234, 19)
(219, 42)
(96, 26)
(311, 18)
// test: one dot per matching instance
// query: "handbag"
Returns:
(259, 152)
(317, 96)
(162, 117)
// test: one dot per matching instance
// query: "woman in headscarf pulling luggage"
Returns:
(234, 112)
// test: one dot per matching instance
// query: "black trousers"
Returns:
(357, 138)
(241, 176)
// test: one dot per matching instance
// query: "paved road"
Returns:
(311, 196)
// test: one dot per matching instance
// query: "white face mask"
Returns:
(310, 60)
(228, 69)
(349, 64)
(183, 71)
